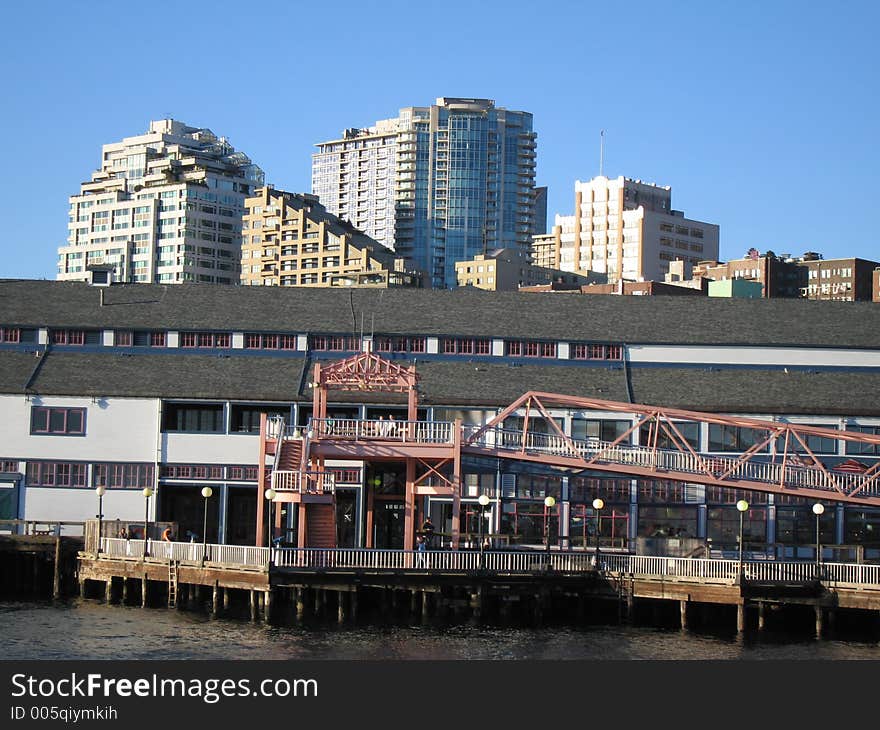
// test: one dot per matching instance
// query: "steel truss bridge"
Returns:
(779, 460)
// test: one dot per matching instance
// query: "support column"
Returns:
(740, 618)
(819, 621)
(426, 606)
(144, 583)
(300, 604)
(108, 591)
(409, 506)
(56, 577)
(456, 483)
(340, 606)
(762, 617)
(267, 606)
(682, 609)
(215, 599)
(124, 591)
(226, 598)
(353, 596)
(253, 604)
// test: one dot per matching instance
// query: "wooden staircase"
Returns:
(321, 525)
(290, 458)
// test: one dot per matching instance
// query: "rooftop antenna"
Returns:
(601, 151)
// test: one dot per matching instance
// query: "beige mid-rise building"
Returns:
(625, 229)
(165, 207)
(509, 269)
(291, 240)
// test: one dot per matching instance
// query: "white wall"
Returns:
(779, 356)
(77, 505)
(199, 448)
(117, 429)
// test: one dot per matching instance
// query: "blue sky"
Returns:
(762, 116)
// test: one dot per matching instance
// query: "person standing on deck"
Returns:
(428, 531)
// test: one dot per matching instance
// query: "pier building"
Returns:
(174, 389)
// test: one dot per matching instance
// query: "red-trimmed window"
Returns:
(10, 334)
(418, 344)
(287, 342)
(530, 349)
(515, 348)
(243, 473)
(205, 339)
(157, 339)
(8, 466)
(123, 476)
(346, 476)
(467, 346)
(58, 421)
(336, 343)
(123, 338)
(56, 474)
(68, 337)
(257, 341)
(614, 352)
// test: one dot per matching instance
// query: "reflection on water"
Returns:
(90, 630)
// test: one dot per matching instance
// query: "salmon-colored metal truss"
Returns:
(367, 371)
(778, 461)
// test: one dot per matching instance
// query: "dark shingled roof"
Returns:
(463, 383)
(161, 376)
(757, 390)
(464, 312)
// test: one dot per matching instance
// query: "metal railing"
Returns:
(420, 432)
(41, 527)
(237, 555)
(507, 562)
(311, 482)
(668, 460)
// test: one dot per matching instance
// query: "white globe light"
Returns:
(818, 508)
(742, 505)
(270, 494)
(207, 492)
(598, 503)
(147, 492)
(483, 500)
(549, 501)
(100, 491)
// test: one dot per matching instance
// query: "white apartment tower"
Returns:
(165, 207)
(628, 230)
(438, 184)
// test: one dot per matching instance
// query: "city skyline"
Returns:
(760, 121)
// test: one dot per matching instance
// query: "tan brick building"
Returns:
(290, 239)
(509, 269)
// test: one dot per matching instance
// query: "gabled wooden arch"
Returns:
(364, 372)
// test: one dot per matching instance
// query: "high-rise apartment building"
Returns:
(437, 184)
(291, 240)
(165, 207)
(628, 230)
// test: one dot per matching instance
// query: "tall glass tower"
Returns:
(437, 184)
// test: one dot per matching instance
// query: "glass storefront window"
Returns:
(862, 526)
(613, 526)
(797, 526)
(723, 525)
(524, 523)
(666, 521)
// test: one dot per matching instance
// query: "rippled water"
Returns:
(92, 630)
